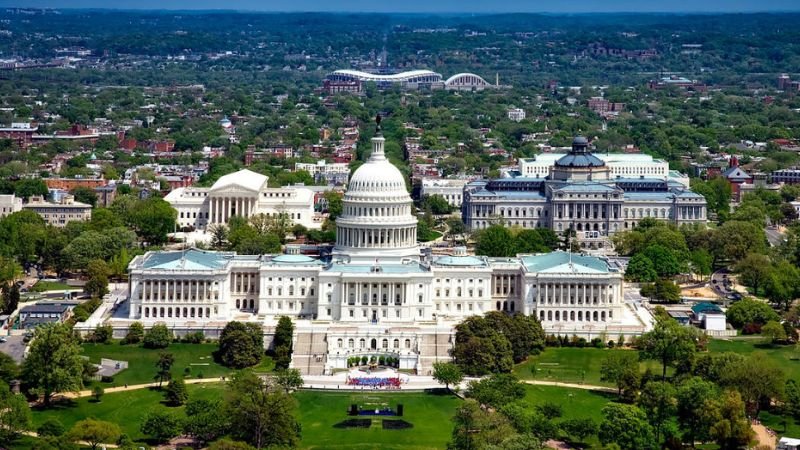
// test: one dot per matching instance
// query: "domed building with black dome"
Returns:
(580, 193)
(377, 293)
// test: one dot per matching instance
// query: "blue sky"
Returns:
(466, 6)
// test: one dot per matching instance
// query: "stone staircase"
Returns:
(309, 352)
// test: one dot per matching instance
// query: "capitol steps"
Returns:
(308, 352)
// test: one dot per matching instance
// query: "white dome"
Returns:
(377, 220)
(377, 177)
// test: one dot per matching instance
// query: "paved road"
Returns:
(774, 236)
(720, 284)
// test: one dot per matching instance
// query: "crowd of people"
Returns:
(375, 382)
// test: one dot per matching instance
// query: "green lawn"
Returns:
(123, 408)
(42, 286)
(572, 365)
(787, 357)
(429, 414)
(141, 361)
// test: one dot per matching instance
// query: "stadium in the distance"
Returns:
(348, 80)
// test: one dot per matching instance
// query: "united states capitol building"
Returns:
(376, 294)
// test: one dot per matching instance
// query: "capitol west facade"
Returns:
(376, 294)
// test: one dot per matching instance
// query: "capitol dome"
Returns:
(377, 177)
(377, 221)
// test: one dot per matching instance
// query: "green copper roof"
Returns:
(563, 262)
(191, 259)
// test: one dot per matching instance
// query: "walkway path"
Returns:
(587, 387)
(134, 387)
(763, 436)
(339, 382)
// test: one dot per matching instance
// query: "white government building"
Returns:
(243, 193)
(376, 295)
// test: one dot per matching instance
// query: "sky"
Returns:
(429, 6)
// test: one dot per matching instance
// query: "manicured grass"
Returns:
(575, 403)
(572, 365)
(787, 357)
(430, 414)
(142, 361)
(123, 408)
(42, 286)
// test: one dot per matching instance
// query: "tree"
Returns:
(496, 390)
(284, 332)
(10, 298)
(580, 429)
(753, 270)
(260, 414)
(176, 394)
(95, 432)
(693, 396)
(524, 333)
(15, 417)
(51, 428)
(97, 393)
(53, 363)
(735, 239)
(437, 204)
(665, 263)
(758, 379)
(161, 425)
(205, 419)
(495, 240)
(774, 332)
(447, 374)
(622, 369)
(730, 428)
(659, 403)
(101, 334)
(288, 379)
(9, 370)
(98, 272)
(28, 187)
(640, 268)
(158, 336)
(240, 345)
(164, 365)
(480, 348)
(668, 342)
(85, 194)
(626, 426)
(153, 219)
(748, 311)
(662, 290)
(135, 333)
(477, 428)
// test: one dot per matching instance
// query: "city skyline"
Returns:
(447, 6)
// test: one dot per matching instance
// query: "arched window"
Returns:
(396, 343)
(339, 343)
(361, 343)
(408, 343)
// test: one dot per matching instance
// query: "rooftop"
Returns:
(564, 262)
(191, 259)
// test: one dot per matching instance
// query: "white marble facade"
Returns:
(375, 293)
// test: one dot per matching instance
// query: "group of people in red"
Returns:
(375, 382)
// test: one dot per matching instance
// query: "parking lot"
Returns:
(13, 347)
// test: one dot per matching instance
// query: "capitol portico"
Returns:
(375, 294)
